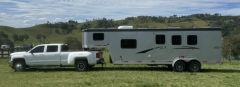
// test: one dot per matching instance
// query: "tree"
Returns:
(41, 38)
(15, 37)
(73, 43)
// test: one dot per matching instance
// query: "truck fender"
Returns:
(73, 56)
(17, 57)
(80, 59)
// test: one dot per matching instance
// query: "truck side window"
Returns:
(52, 48)
(192, 39)
(64, 48)
(98, 36)
(129, 43)
(38, 49)
(160, 39)
(176, 40)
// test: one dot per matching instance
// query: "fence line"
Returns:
(5, 53)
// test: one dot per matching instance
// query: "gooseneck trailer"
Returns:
(180, 48)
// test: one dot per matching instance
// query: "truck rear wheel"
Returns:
(19, 66)
(81, 66)
(179, 66)
(194, 66)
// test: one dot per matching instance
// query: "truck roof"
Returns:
(53, 44)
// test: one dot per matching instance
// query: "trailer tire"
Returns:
(179, 66)
(194, 66)
(81, 65)
(19, 66)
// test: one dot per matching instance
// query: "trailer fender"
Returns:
(184, 59)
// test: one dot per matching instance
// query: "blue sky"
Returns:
(26, 13)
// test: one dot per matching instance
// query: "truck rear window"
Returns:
(52, 48)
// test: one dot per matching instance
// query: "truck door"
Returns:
(52, 55)
(35, 55)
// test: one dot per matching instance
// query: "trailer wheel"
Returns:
(179, 66)
(19, 66)
(81, 66)
(194, 66)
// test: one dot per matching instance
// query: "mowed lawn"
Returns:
(216, 75)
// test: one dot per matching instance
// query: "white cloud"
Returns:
(40, 11)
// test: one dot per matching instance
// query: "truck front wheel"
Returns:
(81, 66)
(19, 66)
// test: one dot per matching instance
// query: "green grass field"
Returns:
(216, 75)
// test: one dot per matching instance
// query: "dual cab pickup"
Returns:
(46, 55)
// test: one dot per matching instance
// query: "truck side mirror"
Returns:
(31, 52)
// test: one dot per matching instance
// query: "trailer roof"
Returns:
(149, 29)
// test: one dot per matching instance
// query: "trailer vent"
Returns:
(125, 27)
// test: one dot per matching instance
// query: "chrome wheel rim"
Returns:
(19, 66)
(81, 66)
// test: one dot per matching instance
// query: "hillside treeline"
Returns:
(230, 27)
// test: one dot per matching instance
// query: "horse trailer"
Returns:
(179, 48)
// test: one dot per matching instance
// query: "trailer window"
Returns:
(160, 39)
(129, 43)
(192, 39)
(176, 40)
(98, 36)
(52, 48)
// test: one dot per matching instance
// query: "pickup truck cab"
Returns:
(57, 55)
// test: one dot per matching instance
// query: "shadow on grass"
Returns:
(160, 69)
(221, 70)
(99, 69)
(131, 69)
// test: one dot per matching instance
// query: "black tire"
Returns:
(169, 67)
(179, 66)
(194, 66)
(81, 66)
(19, 66)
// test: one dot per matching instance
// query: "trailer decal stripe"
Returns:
(147, 50)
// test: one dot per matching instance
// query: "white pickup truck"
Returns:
(54, 55)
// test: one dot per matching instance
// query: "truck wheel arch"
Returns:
(81, 59)
(19, 59)
(19, 64)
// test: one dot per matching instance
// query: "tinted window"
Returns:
(160, 39)
(64, 48)
(128, 43)
(38, 49)
(52, 48)
(192, 39)
(176, 40)
(98, 36)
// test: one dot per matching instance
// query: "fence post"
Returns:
(2, 53)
